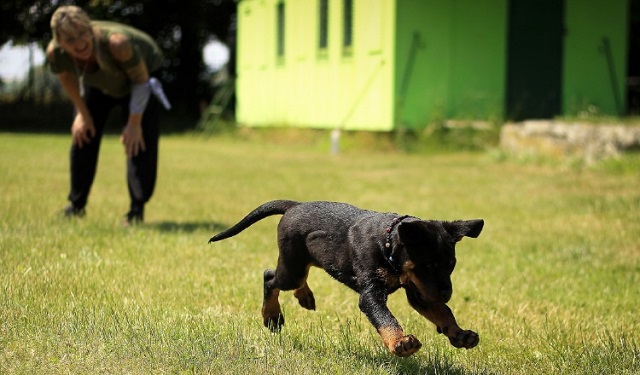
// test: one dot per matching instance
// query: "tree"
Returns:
(181, 28)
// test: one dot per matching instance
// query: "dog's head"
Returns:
(429, 256)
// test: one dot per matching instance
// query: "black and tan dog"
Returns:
(372, 253)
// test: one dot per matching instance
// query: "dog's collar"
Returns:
(387, 250)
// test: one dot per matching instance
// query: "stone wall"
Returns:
(591, 142)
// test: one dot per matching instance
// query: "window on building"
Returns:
(280, 30)
(323, 40)
(347, 37)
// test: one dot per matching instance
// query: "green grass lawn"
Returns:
(552, 285)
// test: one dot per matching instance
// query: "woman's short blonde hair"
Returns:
(70, 20)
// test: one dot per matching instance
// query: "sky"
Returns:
(14, 60)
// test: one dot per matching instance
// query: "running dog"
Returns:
(372, 253)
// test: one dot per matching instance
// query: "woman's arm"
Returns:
(125, 52)
(82, 128)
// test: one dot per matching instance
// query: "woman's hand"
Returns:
(132, 138)
(82, 130)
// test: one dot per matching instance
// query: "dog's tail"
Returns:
(277, 207)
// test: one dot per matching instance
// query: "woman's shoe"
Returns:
(72, 211)
(133, 217)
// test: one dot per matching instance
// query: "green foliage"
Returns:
(434, 139)
(51, 116)
(551, 284)
(439, 137)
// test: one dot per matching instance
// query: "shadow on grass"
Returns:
(187, 227)
(346, 338)
(436, 362)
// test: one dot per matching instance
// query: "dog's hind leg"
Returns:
(305, 297)
(292, 278)
(303, 293)
(290, 274)
(271, 313)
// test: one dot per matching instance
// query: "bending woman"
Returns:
(103, 65)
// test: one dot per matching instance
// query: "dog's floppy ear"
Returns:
(461, 228)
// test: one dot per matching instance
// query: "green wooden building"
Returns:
(385, 64)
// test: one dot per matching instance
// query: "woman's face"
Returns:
(76, 41)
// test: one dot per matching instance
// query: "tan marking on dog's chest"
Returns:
(391, 281)
(394, 281)
(407, 272)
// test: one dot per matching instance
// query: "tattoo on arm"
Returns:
(125, 52)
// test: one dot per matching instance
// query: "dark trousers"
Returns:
(141, 169)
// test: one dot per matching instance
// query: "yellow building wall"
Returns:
(308, 87)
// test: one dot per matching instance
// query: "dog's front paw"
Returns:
(464, 339)
(406, 346)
